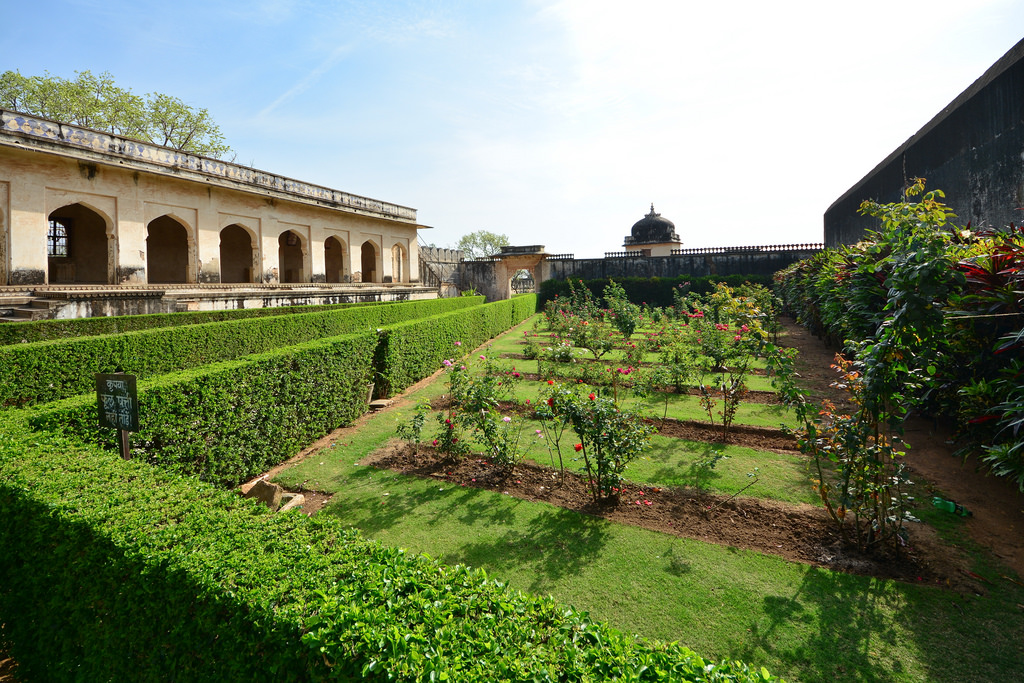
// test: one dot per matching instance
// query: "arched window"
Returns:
(77, 250)
(289, 252)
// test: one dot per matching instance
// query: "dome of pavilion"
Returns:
(652, 229)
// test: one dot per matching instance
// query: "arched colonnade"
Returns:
(81, 248)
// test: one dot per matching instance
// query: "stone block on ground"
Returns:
(290, 501)
(267, 493)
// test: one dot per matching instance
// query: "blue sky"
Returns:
(554, 122)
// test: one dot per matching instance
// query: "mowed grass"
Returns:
(802, 623)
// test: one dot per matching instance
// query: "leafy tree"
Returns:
(97, 102)
(482, 243)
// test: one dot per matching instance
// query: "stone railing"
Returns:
(561, 257)
(530, 249)
(623, 254)
(818, 246)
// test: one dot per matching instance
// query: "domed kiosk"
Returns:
(653, 235)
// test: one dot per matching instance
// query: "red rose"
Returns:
(578, 447)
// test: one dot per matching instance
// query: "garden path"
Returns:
(997, 506)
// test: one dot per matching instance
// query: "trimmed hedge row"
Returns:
(408, 352)
(51, 370)
(654, 291)
(42, 330)
(228, 422)
(115, 571)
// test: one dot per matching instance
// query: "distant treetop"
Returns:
(97, 102)
(482, 243)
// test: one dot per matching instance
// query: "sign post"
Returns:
(117, 401)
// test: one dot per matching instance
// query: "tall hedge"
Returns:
(228, 422)
(654, 291)
(42, 330)
(115, 571)
(408, 352)
(51, 370)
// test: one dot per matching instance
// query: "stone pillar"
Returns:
(269, 261)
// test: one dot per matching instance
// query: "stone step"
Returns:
(31, 313)
(26, 308)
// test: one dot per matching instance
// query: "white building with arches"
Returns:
(81, 207)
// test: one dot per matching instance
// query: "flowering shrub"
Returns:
(609, 439)
(625, 315)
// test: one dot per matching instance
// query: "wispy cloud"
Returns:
(308, 80)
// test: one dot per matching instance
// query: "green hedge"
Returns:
(51, 370)
(42, 330)
(228, 422)
(410, 351)
(115, 571)
(654, 291)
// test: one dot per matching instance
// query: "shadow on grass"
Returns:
(431, 505)
(552, 544)
(857, 627)
(548, 543)
(846, 618)
(694, 466)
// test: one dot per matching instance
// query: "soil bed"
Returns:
(752, 396)
(759, 438)
(800, 533)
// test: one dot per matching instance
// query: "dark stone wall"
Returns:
(973, 150)
(481, 275)
(734, 263)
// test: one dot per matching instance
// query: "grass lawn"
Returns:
(803, 623)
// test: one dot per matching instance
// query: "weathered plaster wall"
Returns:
(973, 150)
(4, 231)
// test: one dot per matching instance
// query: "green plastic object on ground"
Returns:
(950, 506)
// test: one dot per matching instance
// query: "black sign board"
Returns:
(117, 401)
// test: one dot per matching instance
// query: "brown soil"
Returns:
(759, 438)
(800, 533)
(754, 396)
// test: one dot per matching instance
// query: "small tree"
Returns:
(97, 102)
(481, 243)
